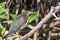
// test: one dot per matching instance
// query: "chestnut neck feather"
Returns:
(25, 15)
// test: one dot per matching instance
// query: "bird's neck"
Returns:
(25, 16)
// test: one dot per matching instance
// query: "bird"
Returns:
(18, 22)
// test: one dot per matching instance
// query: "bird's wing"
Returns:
(16, 25)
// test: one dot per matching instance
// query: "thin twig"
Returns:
(35, 35)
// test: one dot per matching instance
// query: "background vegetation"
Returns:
(10, 9)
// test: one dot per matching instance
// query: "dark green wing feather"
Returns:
(16, 24)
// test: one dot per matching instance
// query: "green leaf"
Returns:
(2, 4)
(1, 26)
(3, 31)
(3, 16)
(13, 16)
(31, 18)
(2, 10)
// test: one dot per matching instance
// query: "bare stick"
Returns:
(35, 35)
(49, 36)
(54, 34)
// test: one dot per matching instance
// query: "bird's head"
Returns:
(26, 14)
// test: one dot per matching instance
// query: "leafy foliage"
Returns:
(2, 4)
(2, 9)
(2, 29)
(13, 16)
(3, 15)
(31, 18)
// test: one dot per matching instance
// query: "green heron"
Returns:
(18, 22)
